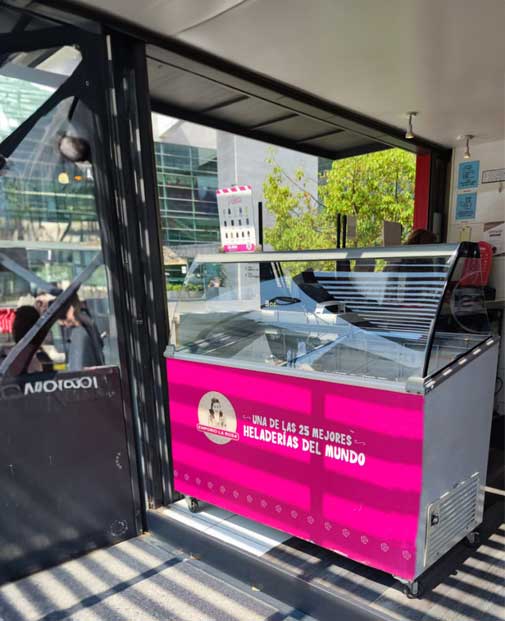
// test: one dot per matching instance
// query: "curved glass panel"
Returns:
(368, 315)
(463, 321)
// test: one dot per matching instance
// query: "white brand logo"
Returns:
(75, 383)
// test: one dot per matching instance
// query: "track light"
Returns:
(467, 155)
(409, 134)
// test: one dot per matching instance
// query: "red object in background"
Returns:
(486, 259)
(6, 320)
(422, 191)
(476, 271)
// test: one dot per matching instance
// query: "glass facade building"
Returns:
(187, 183)
(42, 195)
(29, 197)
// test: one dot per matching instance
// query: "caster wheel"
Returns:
(472, 540)
(413, 590)
(193, 504)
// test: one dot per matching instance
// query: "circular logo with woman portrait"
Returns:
(217, 418)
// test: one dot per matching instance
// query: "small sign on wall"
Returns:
(466, 206)
(468, 175)
(493, 176)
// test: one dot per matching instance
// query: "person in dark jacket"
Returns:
(83, 341)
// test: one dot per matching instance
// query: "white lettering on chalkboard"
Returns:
(74, 383)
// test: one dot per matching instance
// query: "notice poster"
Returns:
(466, 206)
(494, 235)
(335, 464)
(236, 219)
(468, 175)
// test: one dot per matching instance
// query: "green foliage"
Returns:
(373, 187)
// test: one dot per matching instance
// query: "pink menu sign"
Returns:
(335, 464)
(237, 220)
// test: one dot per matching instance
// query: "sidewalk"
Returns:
(141, 579)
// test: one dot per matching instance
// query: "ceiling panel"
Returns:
(250, 112)
(340, 141)
(185, 89)
(443, 58)
(182, 90)
(297, 128)
(166, 16)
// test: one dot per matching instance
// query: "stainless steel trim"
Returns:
(428, 250)
(446, 372)
(335, 378)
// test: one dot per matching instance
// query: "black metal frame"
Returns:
(92, 89)
(141, 252)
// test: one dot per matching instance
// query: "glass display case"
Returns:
(344, 397)
(381, 315)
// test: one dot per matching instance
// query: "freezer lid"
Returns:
(415, 252)
(378, 314)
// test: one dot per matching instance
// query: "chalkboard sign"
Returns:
(64, 468)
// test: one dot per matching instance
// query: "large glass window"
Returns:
(306, 202)
(50, 247)
(366, 315)
(187, 183)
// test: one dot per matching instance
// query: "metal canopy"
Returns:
(192, 84)
(191, 90)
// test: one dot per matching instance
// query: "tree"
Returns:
(373, 187)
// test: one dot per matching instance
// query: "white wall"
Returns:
(490, 202)
(490, 208)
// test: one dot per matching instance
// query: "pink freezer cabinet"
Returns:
(344, 397)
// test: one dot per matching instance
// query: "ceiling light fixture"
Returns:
(467, 155)
(409, 134)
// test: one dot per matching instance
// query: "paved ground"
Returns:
(141, 579)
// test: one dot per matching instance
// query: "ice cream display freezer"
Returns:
(344, 397)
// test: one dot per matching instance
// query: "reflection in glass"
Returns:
(367, 318)
(50, 248)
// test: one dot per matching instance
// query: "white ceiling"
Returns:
(442, 58)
